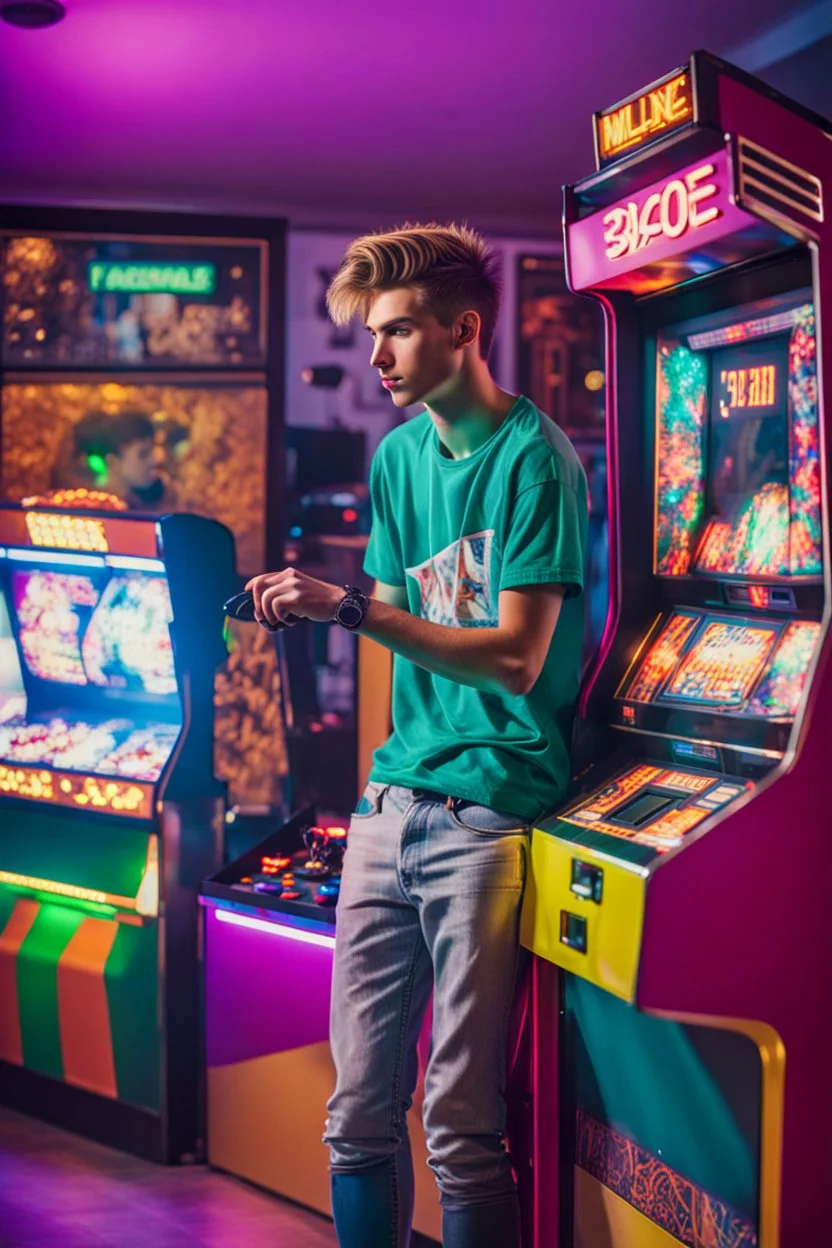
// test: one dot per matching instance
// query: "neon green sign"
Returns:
(148, 277)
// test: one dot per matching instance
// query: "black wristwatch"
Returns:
(351, 609)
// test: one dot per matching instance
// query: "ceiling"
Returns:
(344, 113)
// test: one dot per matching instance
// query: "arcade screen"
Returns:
(87, 680)
(738, 475)
(741, 666)
(187, 447)
(722, 664)
(93, 302)
(209, 451)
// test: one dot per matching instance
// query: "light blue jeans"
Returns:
(430, 901)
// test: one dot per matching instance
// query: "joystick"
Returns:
(241, 607)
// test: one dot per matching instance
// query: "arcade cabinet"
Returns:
(110, 816)
(677, 902)
(175, 321)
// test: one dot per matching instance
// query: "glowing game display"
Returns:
(680, 481)
(73, 631)
(56, 742)
(662, 657)
(739, 449)
(749, 379)
(748, 387)
(756, 543)
(128, 641)
(723, 663)
(80, 632)
(749, 668)
(113, 747)
(12, 689)
(779, 691)
(52, 608)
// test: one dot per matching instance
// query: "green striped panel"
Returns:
(37, 986)
(131, 976)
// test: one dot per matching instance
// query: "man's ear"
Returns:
(468, 329)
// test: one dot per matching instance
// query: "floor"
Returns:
(59, 1190)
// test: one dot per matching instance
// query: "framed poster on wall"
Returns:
(559, 346)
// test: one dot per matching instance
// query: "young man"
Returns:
(477, 551)
(120, 452)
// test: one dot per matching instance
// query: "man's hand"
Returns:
(280, 596)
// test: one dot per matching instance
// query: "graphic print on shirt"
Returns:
(455, 585)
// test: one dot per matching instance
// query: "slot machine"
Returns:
(110, 816)
(677, 901)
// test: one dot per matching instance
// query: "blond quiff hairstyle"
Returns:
(451, 266)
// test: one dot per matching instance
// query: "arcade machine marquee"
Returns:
(670, 881)
(110, 815)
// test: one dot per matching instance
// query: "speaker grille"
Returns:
(777, 184)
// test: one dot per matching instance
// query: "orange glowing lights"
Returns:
(81, 497)
(66, 532)
(61, 788)
(271, 865)
(629, 126)
(747, 387)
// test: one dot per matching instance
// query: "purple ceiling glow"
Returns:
(336, 112)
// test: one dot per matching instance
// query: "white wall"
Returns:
(360, 403)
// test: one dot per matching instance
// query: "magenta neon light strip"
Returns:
(276, 929)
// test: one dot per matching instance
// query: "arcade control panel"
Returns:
(295, 870)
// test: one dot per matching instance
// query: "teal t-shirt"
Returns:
(455, 532)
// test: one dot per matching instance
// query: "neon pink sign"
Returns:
(688, 210)
(681, 205)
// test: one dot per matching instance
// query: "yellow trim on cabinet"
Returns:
(603, 1219)
(74, 891)
(614, 925)
(773, 1095)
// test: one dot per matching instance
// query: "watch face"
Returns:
(350, 614)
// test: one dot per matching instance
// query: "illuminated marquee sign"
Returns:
(152, 278)
(640, 121)
(680, 205)
(662, 234)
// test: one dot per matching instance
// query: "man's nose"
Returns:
(381, 356)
